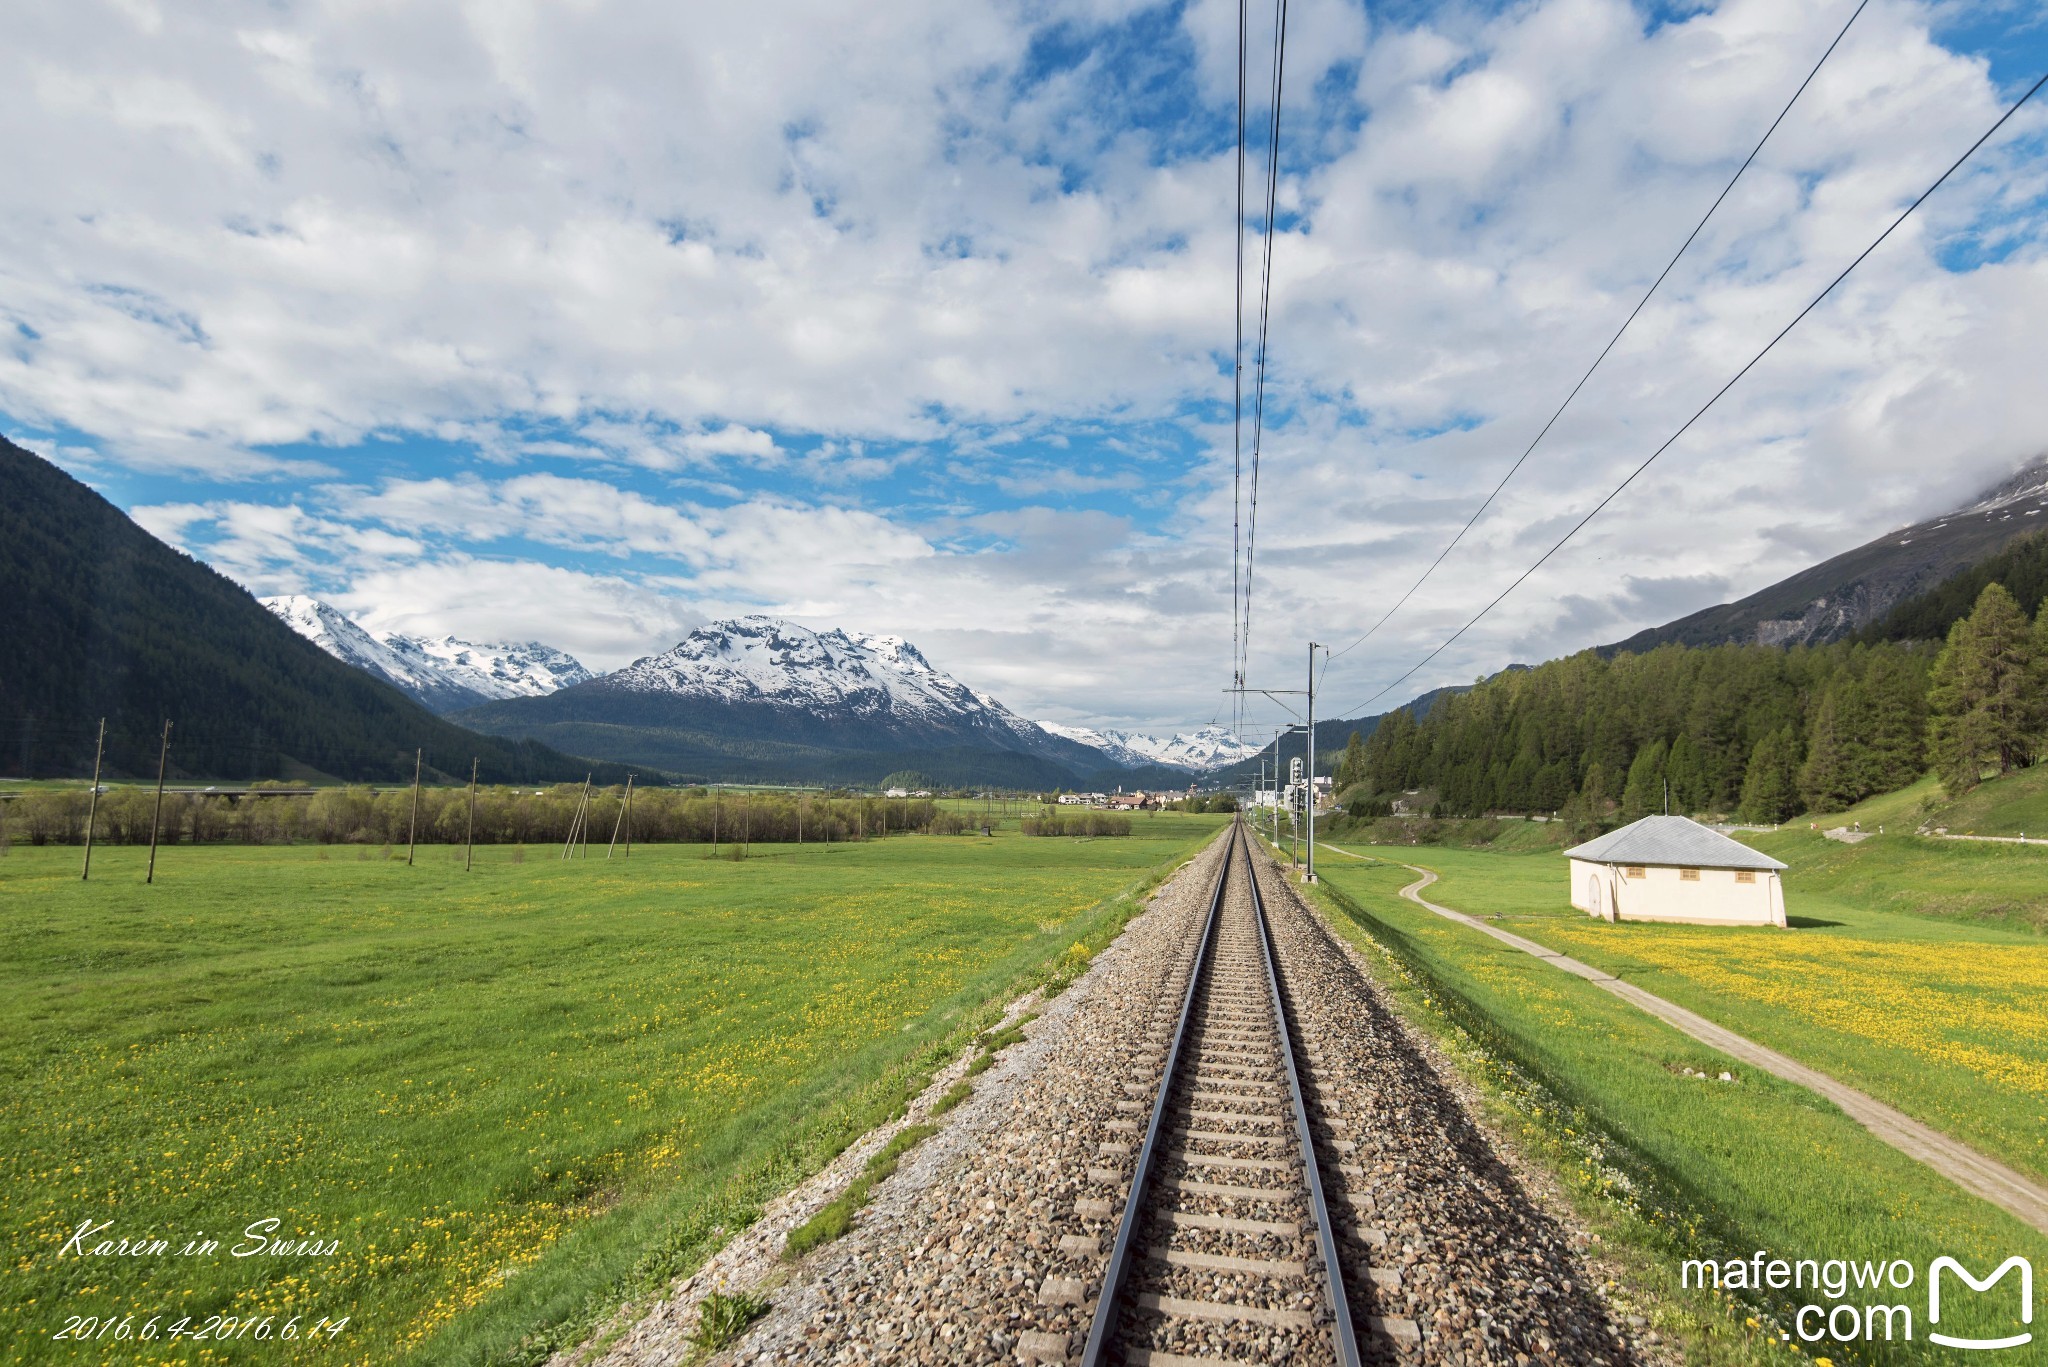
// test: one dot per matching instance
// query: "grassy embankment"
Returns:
(1941, 1014)
(516, 1098)
(2010, 805)
(1669, 1166)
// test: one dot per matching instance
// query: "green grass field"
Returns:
(2012, 804)
(1706, 1168)
(1938, 1012)
(514, 1098)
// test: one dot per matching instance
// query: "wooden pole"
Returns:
(629, 818)
(92, 809)
(156, 817)
(616, 825)
(412, 833)
(469, 836)
(577, 819)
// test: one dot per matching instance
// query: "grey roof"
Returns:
(1671, 840)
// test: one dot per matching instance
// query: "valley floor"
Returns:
(1935, 1011)
(514, 1097)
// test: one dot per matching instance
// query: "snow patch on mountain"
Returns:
(767, 660)
(342, 637)
(444, 672)
(524, 669)
(1200, 750)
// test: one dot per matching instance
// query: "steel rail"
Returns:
(1122, 1253)
(1108, 1304)
(1326, 1235)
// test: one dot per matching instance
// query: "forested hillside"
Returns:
(1756, 732)
(1838, 598)
(100, 619)
(2022, 568)
(1730, 727)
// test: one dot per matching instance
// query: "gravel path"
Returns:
(2012, 1191)
(989, 1243)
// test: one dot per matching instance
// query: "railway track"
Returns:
(1227, 1251)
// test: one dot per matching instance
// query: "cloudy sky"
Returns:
(589, 322)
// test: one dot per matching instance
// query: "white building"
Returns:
(1669, 868)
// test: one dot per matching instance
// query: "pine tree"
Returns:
(1351, 768)
(1895, 735)
(1770, 788)
(1644, 792)
(1986, 693)
(1597, 791)
(1688, 776)
(1837, 773)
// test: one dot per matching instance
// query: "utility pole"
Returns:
(469, 838)
(622, 818)
(412, 830)
(576, 818)
(92, 809)
(1310, 876)
(629, 818)
(157, 816)
(1271, 781)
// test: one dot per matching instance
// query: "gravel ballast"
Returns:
(990, 1242)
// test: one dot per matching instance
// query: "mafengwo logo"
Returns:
(1858, 1300)
(2026, 1290)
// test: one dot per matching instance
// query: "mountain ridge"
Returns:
(1195, 752)
(1848, 592)
(757, 697)
(128, 628)
(445, 673)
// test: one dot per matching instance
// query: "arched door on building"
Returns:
(1600, 897)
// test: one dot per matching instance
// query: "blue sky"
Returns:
(589, 325)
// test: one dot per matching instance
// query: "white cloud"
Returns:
(856, 247)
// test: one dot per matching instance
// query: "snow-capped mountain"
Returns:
(763, 660)
(1198, 751)
(446, 673)
(524, 669)
(756, 697)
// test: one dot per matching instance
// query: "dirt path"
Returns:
(2016, 1194)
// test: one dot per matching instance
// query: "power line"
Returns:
(1265, 308)
(1237, 384)
(1611, 342)
(1701, 412)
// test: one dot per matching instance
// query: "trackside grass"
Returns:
(1665, 1164)
(511, 1100)
(1944, 1015)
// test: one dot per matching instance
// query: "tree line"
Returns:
(1757, 732)
(504, 816)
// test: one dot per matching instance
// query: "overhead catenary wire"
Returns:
(1641, 303)
(1686, 426)
(1237, 388)
(1265, 313)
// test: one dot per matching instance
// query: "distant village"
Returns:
(1121, 801)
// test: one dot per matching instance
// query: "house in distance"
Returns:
(1670, 868)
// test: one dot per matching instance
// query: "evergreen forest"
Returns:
(1756, 733)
